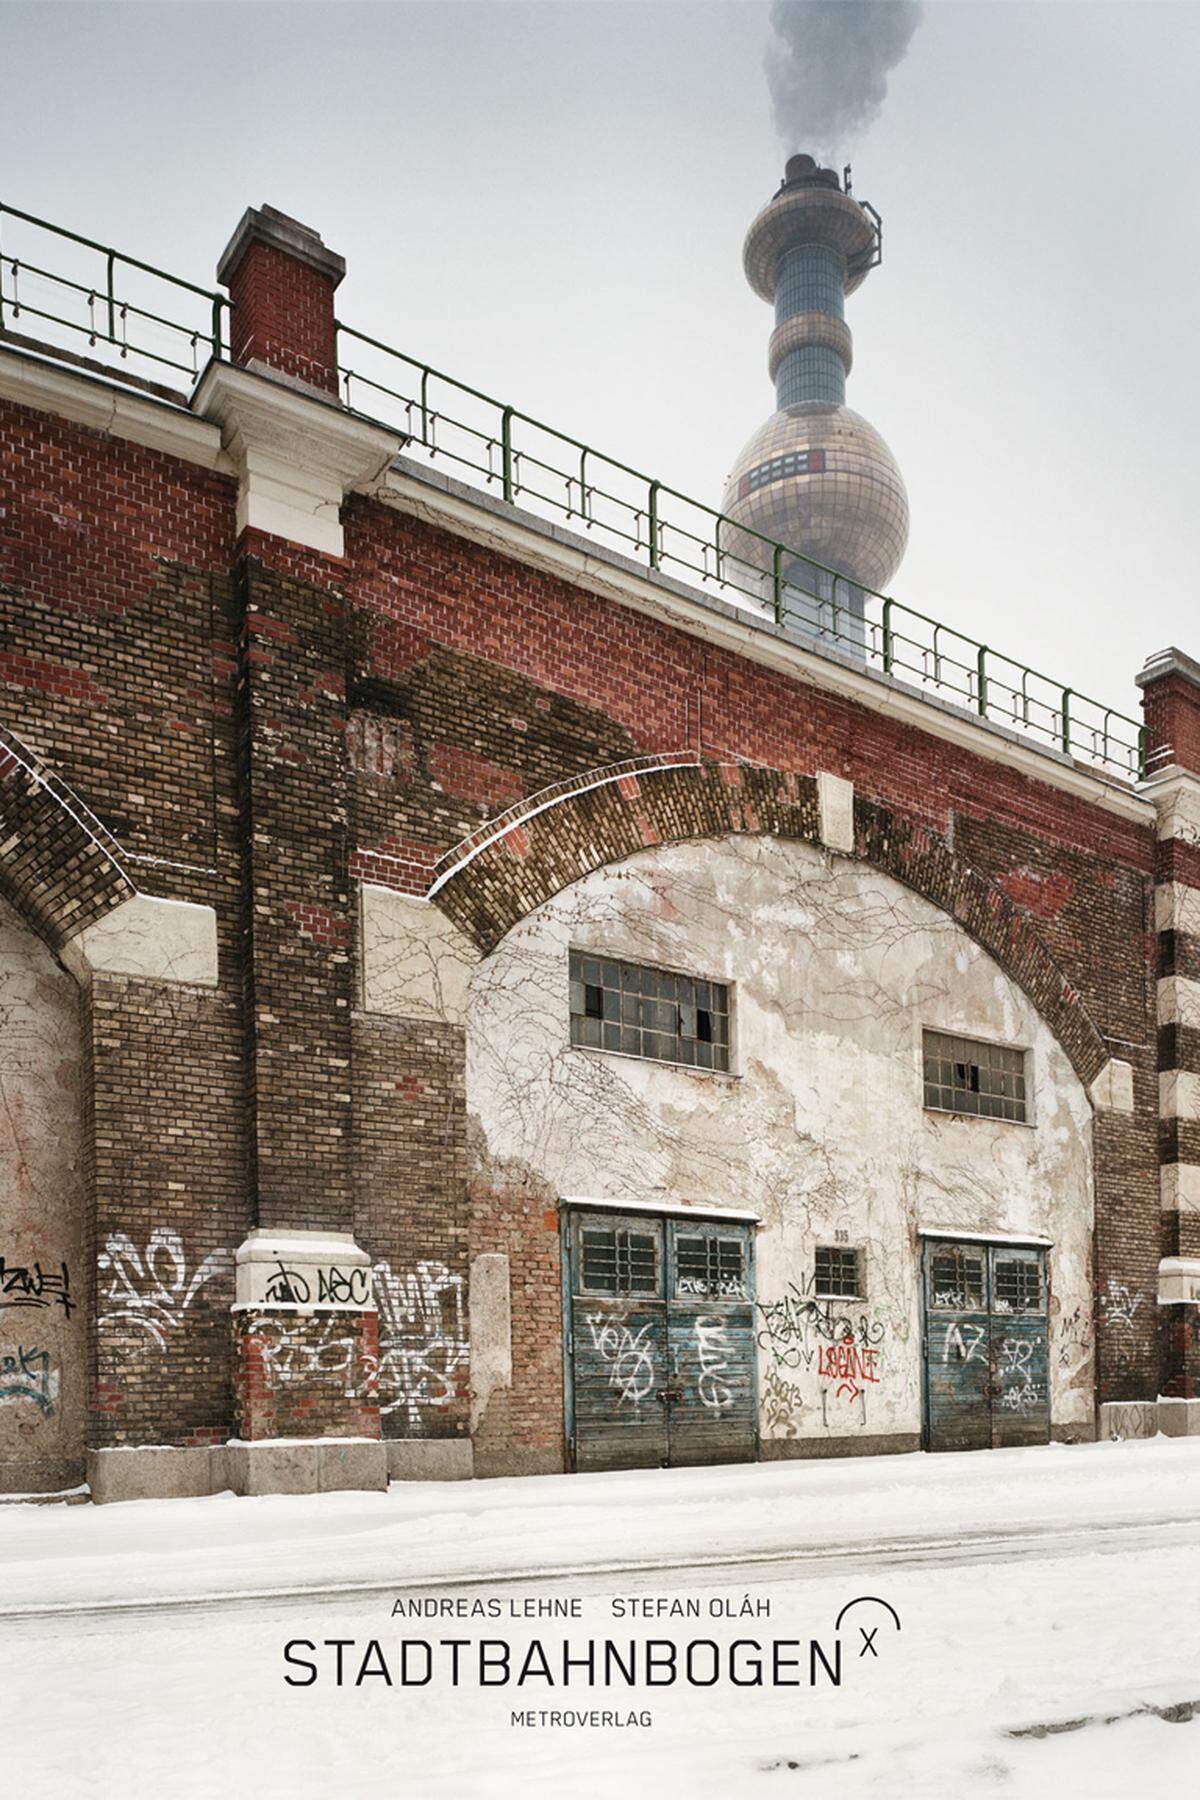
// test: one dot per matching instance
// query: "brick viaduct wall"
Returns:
(261, 727)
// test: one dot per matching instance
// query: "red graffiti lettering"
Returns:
(849, 1364)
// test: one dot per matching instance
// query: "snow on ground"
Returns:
(1036, 1589)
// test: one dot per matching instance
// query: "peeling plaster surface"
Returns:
(42, 1277)
(415, 962)
(157, 940)
(835, 968)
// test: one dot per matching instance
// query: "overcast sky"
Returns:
(547, 198)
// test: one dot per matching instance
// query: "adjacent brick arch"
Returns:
(59, 867)
(490, 881)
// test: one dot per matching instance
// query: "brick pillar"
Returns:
(1170, 685)
(281, 279)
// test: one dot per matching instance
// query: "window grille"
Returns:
(654, 1013)
(963, 1075)
(709, 1266)
(619, 1262)
(838, 1274)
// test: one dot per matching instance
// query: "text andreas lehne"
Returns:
(542, 1664)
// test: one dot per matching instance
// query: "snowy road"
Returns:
(1048, 1599)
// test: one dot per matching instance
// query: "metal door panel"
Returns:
(662, 1376)
(618, 1341)
(1020, 1350)
(620, 1373)
(711, 1340)
(986, 1376)
(957, 1338)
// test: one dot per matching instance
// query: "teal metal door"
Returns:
(660, 1341)
(986, 1357)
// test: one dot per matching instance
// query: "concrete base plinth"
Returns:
(272, 1466)
(1119, 1419)
(149, 1472)
(1178, 1418)
(1074, 1432)
(302, 1466)
(429, 1459)
(889, 1443)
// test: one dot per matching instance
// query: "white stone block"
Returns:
(491, 1331)
(1176, 797)
(1178, 1094)
(416, 964)
(153, 939)
(1178, 1417)
(1179, 1281)
(303, 1271)
(1112, 1090)
(1178, 1001)
(1122, 1419)
(1180, 1187)
(835, 803)
(1177, 908)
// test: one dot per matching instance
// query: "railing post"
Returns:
(777, 582)
(506, 419)
(1141, 753)
(981, 680)
(887, 637)
(1066, 720)
(112, 302)
(652, 516)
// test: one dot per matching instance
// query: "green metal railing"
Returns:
(115, 303)
(559, 476)
(142, 317)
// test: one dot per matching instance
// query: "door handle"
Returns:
(665, 1394)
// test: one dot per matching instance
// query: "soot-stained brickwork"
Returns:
(257, 727)
(411, 1216)
(450, 740)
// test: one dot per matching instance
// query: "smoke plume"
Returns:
(828, 65)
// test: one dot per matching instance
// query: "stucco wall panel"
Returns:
(836, 968)
(43, 1283)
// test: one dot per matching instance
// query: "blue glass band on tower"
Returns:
(811, 278)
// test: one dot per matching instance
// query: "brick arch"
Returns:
(498, 875)
(59, 867)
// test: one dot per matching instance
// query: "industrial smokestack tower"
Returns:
(816, 477)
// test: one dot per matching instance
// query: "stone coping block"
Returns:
(274, 1466)
(430, 1459)
(149, 1472)
(1178, 1418)
(305, 1271)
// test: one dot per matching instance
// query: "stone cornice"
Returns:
(89, 400)
(296, 456)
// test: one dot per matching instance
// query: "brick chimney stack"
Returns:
(281, 279)
(1170, 684)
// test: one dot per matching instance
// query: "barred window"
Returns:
(709, 1267)
(648, 1012)
(1018, 1284)
(620, 1262)
(963, 1075)
(837, 1274)
(956, 1279)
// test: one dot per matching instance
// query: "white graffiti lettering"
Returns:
(629, 1357)
(422, 1337)
(152, 1290)
(712, 1353)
